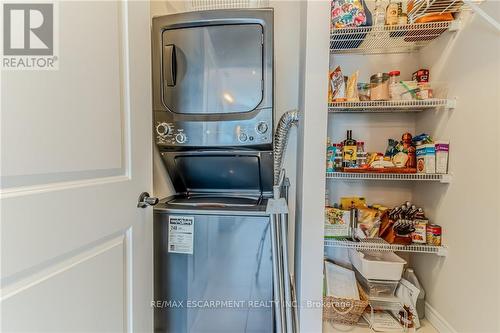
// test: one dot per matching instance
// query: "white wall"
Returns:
(464, 287)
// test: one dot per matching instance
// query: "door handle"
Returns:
(145, 200)
(169, 64)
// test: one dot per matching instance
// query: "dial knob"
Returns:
(180, 137)
(163, 129)
(262, 127)
(242, 137)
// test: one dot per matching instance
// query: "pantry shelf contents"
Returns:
(381, 245)
(383, 39)
(391, 105)
(422, 8)
(443, 178)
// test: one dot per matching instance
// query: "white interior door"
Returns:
(76, 252)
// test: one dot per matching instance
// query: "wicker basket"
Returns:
(344, 310)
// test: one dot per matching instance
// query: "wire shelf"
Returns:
(426, 7)
(385, 38)
(381, 245)
(443, 178)
(391, 106)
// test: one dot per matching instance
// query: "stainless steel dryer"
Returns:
(213, 79)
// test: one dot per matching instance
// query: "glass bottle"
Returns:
(378, 13)
(349, 151)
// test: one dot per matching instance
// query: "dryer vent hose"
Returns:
(287, 120)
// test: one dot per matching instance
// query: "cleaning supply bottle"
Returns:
(409, 275)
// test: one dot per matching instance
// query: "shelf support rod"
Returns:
(483, 14)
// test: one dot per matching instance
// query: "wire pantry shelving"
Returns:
(381, 245)
(386, 38)
(443, 178)
(391, 106)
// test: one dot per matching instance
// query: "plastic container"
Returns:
(377, 265)
(377, 288)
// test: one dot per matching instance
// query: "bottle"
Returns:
(378, 13)
(394, 85)
(409, 275)
(391, 13)
(349, 151)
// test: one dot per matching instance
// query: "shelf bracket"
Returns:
(451, 103)
(475, 8)
(443, 251)
(446, 178)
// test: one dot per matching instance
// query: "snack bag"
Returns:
(347, 13)
(337, 85)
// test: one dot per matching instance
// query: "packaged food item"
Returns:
(426, 158)
(407, 141)
(421, 139)
(378, 13)
(442, 151)
(364, 91)
(337, 85)
(391, 13)
(348, 13)
(369, 221)
(394, 85)
(352, 88)
(422, 75)
(433, 234)
(347, 203)
(400, 159)
(337, 223)
(419, 235)
(379, 87)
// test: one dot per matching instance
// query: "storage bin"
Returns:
(377, 265)
(377, 288)
(344, 310)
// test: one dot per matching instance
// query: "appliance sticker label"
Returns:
(180, 234)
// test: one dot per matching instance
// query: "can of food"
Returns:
(434, 234)
(419, 236)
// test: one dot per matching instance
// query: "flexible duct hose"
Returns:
(287, 120)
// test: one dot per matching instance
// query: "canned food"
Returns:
(434, 234)
(419, 236)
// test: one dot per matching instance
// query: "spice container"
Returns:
(394, 85)
(379, 87)
(391, 17)
(361, 154)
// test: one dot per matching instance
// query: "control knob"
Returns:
(180, 137)
(262, 127)
(163, 129)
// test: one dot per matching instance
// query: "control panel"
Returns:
(257, 131)
(166, 133)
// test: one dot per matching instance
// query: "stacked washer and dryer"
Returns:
(213, 121)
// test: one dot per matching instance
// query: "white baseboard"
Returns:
(436, 320)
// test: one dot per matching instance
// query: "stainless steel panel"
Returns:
(236, 172)
(190, 129)
(231, 261)
(217, 133)
(218, 68)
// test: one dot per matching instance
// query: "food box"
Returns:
(426, 158)
(337, 223)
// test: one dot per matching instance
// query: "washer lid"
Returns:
(236, 172)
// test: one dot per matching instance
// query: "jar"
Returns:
(360, 154)
(394, 85)
(379, 87)
(364, 91)
(337, 159)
